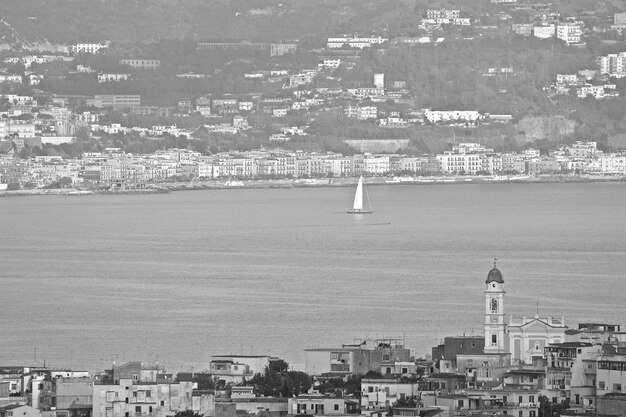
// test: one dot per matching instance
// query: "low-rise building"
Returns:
(318, 404)
(380, 394)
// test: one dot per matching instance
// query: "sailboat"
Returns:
(357, 207)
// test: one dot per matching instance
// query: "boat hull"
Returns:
(353, 211)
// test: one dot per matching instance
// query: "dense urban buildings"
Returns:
(536, 366)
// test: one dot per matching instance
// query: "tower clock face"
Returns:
(493, 285)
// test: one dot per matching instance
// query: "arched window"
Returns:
(494, 305)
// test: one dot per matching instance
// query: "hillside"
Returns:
(65, 21)
(145, 20)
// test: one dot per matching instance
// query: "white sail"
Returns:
(358, 196)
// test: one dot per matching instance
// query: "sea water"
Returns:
(178, 277)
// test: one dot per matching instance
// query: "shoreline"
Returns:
(160, 188)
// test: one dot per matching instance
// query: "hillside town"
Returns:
(529, 366)
(319, 103)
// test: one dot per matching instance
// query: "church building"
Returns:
(523, 338)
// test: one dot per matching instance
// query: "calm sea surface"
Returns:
(182, 276)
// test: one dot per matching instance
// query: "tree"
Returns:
(12, 186)
(279, 366)
(205, 381)
(187, 413)
(406, 402)
(64, 182)
(277, 381)
(267, 384)
(549, 409)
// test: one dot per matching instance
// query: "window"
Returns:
(521, 413)
(532, 413)
(387, 370)
(370, 389)
(601, 384)
(461, 403)
(162, 403)
(405, 370)
(336, 407)
(494, 339)
(531, 398)
(617, 387)
(138, 409)
(148, 393)
(150, 409)
(520, 399)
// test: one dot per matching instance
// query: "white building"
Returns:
(613, 64)
(528, 337)
(570, 32)
(613, 164)
(132, 399)
(544, 31)
(10, 78)
(147, 64)
(611, 375)
(361, 112)
(87, 48)
(379, 394)
(15, 129)
(330, 63)
(354, 42)
(104, 78)
(234, 368)
(443, 14)
(436, 116)
(454, 163)
(376, 165)
(379, 80)
(364, 92)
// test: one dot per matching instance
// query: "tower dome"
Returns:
(494, 275)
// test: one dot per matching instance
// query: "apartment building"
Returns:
(132, 398)
(611, 372)
(613, 64)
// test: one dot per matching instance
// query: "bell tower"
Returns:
(494, 312)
